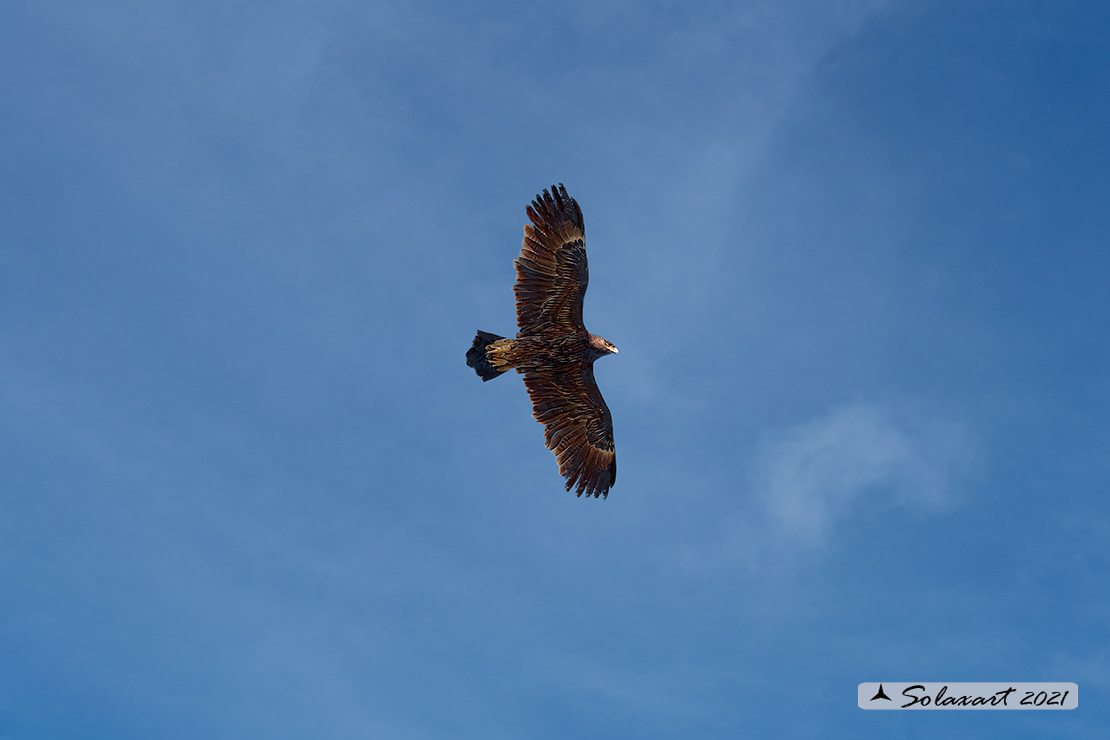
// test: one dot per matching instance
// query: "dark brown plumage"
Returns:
(552, 347)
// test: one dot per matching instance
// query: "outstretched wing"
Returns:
(551, 271)
(577, 427)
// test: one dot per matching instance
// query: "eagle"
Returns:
(552, 348)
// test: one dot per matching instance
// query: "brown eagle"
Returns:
(553, 349)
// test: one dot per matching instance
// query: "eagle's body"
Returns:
(553, 349)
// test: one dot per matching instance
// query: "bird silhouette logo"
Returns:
(881, 695)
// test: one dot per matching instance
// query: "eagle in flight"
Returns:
(553, 349)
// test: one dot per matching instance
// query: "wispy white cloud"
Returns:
(811, 475)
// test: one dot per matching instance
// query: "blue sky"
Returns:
(854, 257)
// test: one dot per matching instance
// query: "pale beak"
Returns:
(615, 350)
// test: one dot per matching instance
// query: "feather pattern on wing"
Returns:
(577, 428)
(551, 270)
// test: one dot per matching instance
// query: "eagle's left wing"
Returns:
(551, 271)
(577, 427)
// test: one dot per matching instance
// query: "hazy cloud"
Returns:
(812, 474)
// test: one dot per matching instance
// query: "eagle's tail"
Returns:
(478, 356)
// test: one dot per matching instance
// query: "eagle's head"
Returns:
(600, 347)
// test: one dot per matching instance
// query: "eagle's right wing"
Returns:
(577, 427)
(551, 271)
